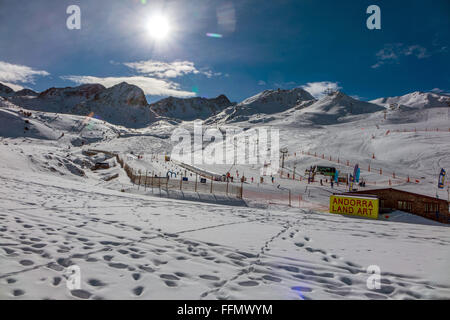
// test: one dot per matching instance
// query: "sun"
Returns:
(158, 27)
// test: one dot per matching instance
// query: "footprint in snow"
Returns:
(26, 262)
(138, 290)
(56, 281)
(18, 292)
(82, 294)
(96, 283)
(248, 283)
(209, 277)
(169, 277)
(136, 276)
(271, 278)
(170, 283)
(118, 265)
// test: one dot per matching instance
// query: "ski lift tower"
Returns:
(284, 152)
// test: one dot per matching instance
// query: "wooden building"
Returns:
(418, 204)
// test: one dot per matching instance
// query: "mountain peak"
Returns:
(191, 108)
(417, 99)
(123, 93)
(284, 96)
(84, 91)
(335, 107)
(26, 92)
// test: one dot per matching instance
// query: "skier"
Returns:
(321, 182)
(332, 184)
(273, 179)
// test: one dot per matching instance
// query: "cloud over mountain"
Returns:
(150, 86)
(317, 89)
(13, 73)
(173, 69)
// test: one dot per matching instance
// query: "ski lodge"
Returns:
(418, 204)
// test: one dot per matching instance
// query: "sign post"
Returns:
(355, 206)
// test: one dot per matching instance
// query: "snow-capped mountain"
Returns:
(418, 99)
(265, 103)
(126, 105)
(65, 99)
(26, 93)
(122, 104)
(59, 100)
(334, 108)
(5, 91)
(191, 108)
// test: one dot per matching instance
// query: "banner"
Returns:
(354, 206)
(356, 173)
(336, 176)
(441, 181)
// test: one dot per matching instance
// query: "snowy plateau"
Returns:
(132, 241)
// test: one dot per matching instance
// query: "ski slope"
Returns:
(136, 243)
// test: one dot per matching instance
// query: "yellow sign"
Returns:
(354, 206)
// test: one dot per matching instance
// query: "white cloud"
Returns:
(317, 89)
(355, 96)
(261, 83)
(418, 51)
(440, 91)
(210, 74)
(150, 86)
(13, 73)
(392, 52)
(166, 70)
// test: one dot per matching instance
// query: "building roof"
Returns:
(401, 191)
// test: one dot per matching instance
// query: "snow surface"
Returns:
(137, 243)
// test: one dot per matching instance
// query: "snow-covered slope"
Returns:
(336, 107)
(416, 100)
(191, 108)
(14, 125)
(62, 129)
(267, 102)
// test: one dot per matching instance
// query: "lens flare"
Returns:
(214, 35)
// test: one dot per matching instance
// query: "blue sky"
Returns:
(264, 45)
